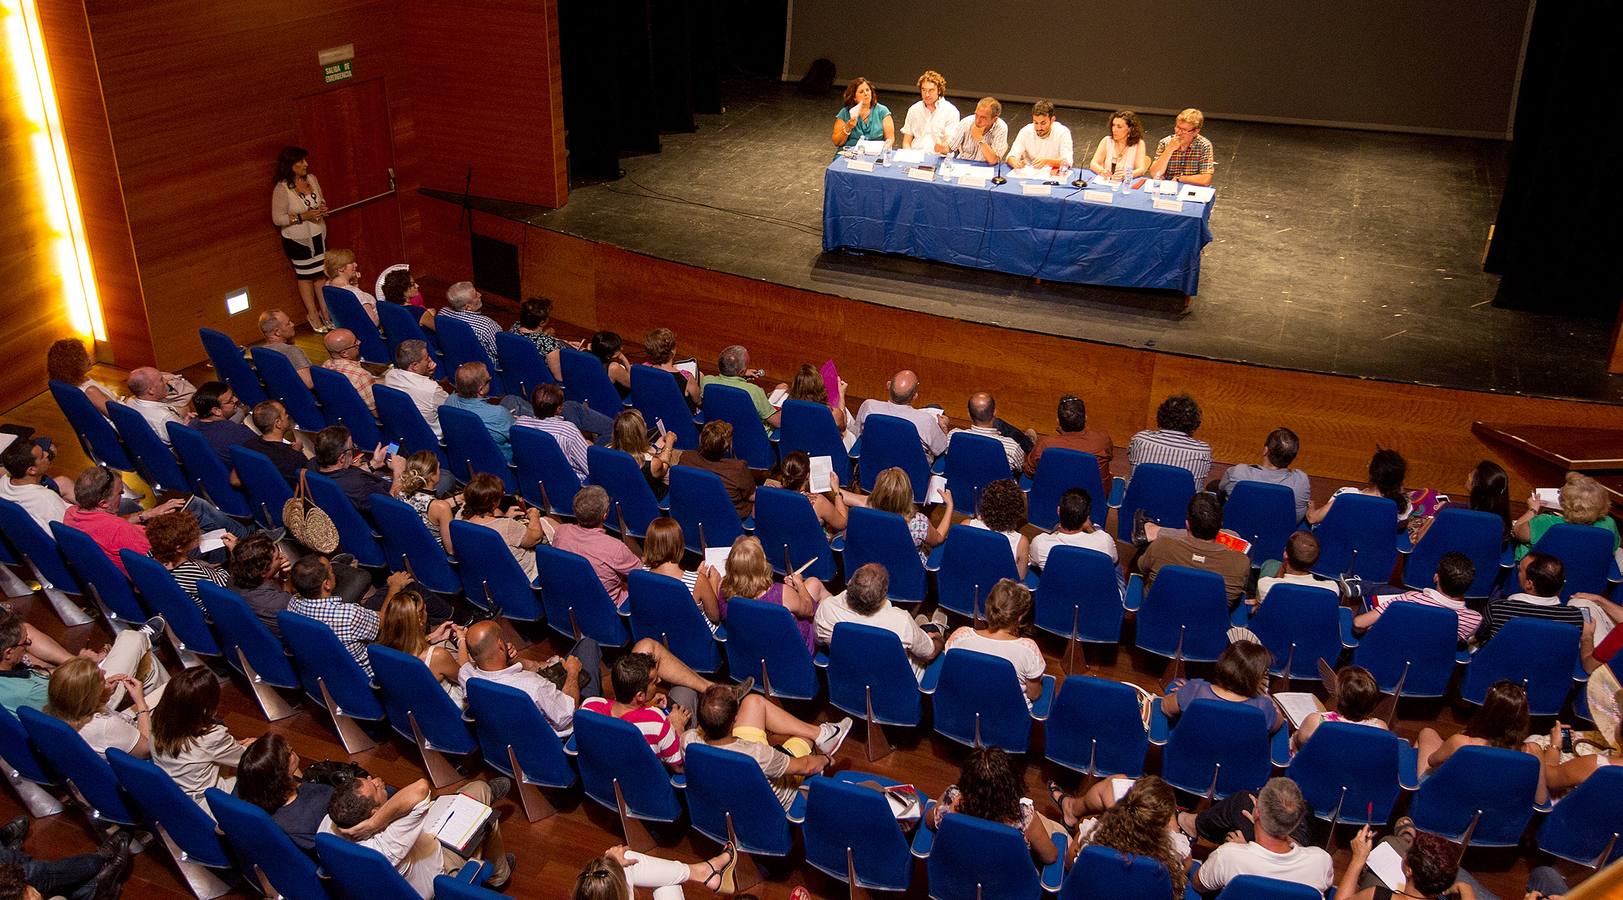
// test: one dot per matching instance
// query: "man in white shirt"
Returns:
(982, 137)
(1277, 848)
(26, 468)
(413, 373)
(930, 421)
(864, 601)
(1301, 554)
(1075, 530)
(492, 657)
(983, 421)
(362, 811)
(930, 120)
(1044, 144)
(148, 396)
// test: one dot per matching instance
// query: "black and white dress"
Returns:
(305, 243)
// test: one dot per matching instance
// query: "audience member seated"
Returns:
(27, 482)
(1172, 442)
(1075, 529)
(1240, 675)
(149, 396)
(660, 345)
(565, 420)
(98, 493)
(278, 331)
(188, 740)
(1196, 547)
(275, 429)
(355, 625)
(403, 626)
(413, 375)
(1489, 487)
(521, 527)
(750, 576)
(1591, 751)
(1540, 577)
(1274, 827)
(715, 454)
(68, 362)
(990, 788)
(809, 386)
(655, 458)
(734, 367)
(270, 777)
(85, 876)
(742, 724)
(609, 556)
(608, 347)
(1584, 501)
(1278, 452)
(1142, 823)
(82, 695)
(362, 810)
(344, 357)
(1355, 697)
(464, 303)
(794, 474)
(262, 574)
(618, 873)
(28, 655)
(219, 419)
(663, 549)
(1501, 722)
(174, 537)
(1008, 610)
(1453, 578)
(893, 493)
(397, 286)
(472, 393)
(358, 473)
(418, 482)
(983, 421)
(1387, 469)
(1430, 867)
(492, 657)
(864, 601)
(1003, 510)
(931, 422)
(1074, 434)
(533, 316)
(1295, 567)
(344, 272)
(658, 693)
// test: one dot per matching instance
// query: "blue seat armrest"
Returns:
(1025, 483)
(1135, 593)
(1160, 728)
(1404, 544)
(749, 524)
(664, 505)
(1345, 618)
(797, 809)
(1279, 746)
(475, 872)
(855, 451)
(1054, 873)
(1118, 489)
(1462, 657)
(721, 634)
(837, 543)
(939, 467)
(679, 781)
(1579, 674)
(1408, 766)
(820, 659)
(924, 839)
(1044, 704)
(933, 564)
(1613, 574)
(772, 434)
(1032, 577)
(1241, 615)
(932, 675)
(570, 748)
(1547, 806)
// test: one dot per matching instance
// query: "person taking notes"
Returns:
(1122, 154)
(1044, 144)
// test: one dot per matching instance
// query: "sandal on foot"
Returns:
(726, 876)
(1058, 795)
(1404, 824)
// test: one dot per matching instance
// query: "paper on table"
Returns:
(1196, 193)
(1031, 172)
(978, 173)
(831, 380)
(911, 155)
(212, 540)
(1161, 187)
(717, 558)
(1297, 705)
(1385, 862)
(937, 484)
(870, 148)
(778, 396)
(822, 474)
(689, 365)
(456, 820)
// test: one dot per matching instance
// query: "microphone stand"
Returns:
(998, 178)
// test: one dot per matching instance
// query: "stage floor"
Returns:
(1346, 252)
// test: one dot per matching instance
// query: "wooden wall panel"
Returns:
(1340, 420)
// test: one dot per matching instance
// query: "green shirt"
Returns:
(23, 687)
(763, 407)
(1543, 522)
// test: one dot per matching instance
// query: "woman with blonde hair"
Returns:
(654, 457)
(1584, 501)
(417, 484)
(78, 693)
(750, 576)
(344, 272)
(1008, 605)
(893, 492)
(618, 873)
(809, 386)
(403, 626)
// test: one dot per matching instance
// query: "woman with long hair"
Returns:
(270, 776)
(808, 385)
(69, 362)
(1240, 675)
(749, 575)
(794, 474)
(1121, 155)
(78, 693)
(188, 740)
(893, 492)
(655, 458)
(862, 117)
(608, 347)
(299, 209)
(1142, 823)
(403, 626)
(618, 873)
(1488, 487)
(1501, 721)
(663, 548)
(1387, 469)
(990, 788)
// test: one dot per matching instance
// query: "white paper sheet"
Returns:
(870, 148)
(778, 396)
(1549, 497)
(717, 558)
(1385, 862)
(938, 483)
(1298, 705)
(689, 365)
(822, 474)
(911, 155)
(456, 819)
(212, 540)
(1196, 193)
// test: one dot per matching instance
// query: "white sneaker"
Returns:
(833, 734)
(939, 617)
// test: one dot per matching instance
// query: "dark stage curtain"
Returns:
(1558, 233)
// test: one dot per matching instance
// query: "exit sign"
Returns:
(337, 71)
(336, 63)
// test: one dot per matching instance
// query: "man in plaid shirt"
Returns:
(1185, 155)
(344, 357)
(355, 625)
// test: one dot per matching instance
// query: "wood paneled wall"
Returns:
(1340, 420)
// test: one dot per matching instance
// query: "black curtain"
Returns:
(1558, 227)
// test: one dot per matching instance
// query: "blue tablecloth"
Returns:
(1061, 237)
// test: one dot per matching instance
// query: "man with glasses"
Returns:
(1185, 155)
(344, 357)
(491, 656)
(218, 420)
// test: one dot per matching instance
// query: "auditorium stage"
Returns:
(1334, 251)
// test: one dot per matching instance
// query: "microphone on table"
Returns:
(1079, 182)
(998, 178)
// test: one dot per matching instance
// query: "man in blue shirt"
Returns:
(472, 389)
(217, 406)
(1277, 455)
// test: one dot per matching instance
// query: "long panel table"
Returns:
(1059, 237)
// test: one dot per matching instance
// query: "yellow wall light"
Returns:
(67, 248)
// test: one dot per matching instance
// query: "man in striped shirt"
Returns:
(1172, 442)
(1541, 577)
(1454, 576)
(465, 302)
(660, 715)
(548, 400)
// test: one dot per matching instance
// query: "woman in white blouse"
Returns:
(188, 742)
(1122, 154)
(299, 209)
(344, 272)
(78, 694)
(1007, 608)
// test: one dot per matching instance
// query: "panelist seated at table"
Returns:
(1121, 153)
(862, 118)
(1044, 144)
(1185, 155)
(930, 120)
(982, 137)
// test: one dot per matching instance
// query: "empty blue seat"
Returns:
(1097, 728)
(734, 405)
(409, 546)
(790, 533)
(1264, 514)
(889, 442)
(852, 835)
(874, 535)
(232, 367)
(654, 393)
(979, 701)
(577, 605)
(420, 711)
(490, 575)
(345, 406)
(109, 587)
(662, 608)
(871, 678)
(471, 450)
(153, 458)
(355, 534)
(332, 678)
(586, 381)
(403, 423)
(518, 742)
(96, 435)
(186, 829)
(763, 642)
(973, 462)
(810, 427)
(460, 346)
(1078, 598)
(163, 595)
(271, 857)
(1486, 792)
(1411, 650)
(1217, 748)
(250, 647)
(620, 771)
(285, 385)
(1104, 872)
(1185, 614)
(1161, 491)
(545, 478)
(206, 472)
(1358, 535)
(1353, 774)
(1059, 470)
(267, 491)
(973, 560)
(1540, 655)
(523, 367)
(620, 475)
(1455, 529)
(347, 312)
(1301, 624)
(1585, 552)
(1584, 827)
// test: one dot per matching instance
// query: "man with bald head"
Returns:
(344, 357)
(278, 331)
(931, 423)
(149, 396)
(983, 421)
(491, 657)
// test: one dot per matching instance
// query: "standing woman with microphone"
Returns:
(299, 208)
